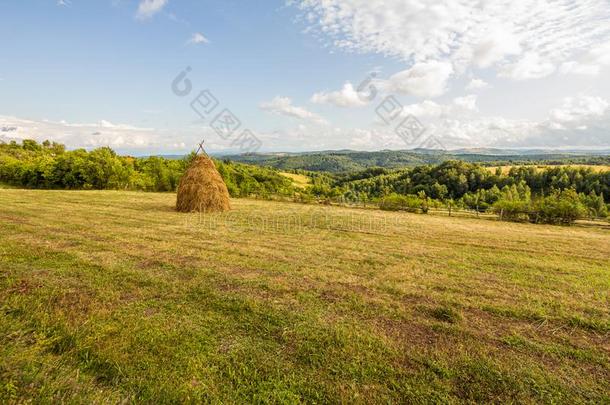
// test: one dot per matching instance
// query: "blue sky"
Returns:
(96, 73)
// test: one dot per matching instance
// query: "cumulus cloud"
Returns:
(599, 54)
(527, 38)
(578, 68)
(494, 47)
(477, 84)
(483, 131)
(579, 109)
(333, 138)
(82, 135)
(198, 38)
(590, 63)
(468, 102)
(283, 106)
(346, 97)
(123, 138)
(530, 66)
(581, 121)
(148, 8)
(425, 109)
(453, 127)
(424, 79)
(459, 107)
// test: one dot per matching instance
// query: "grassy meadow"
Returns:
(113, 296)
(298, 180)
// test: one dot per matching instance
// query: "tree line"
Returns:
(551, 195)
(526, 193)
(48, 165)
(350, 161)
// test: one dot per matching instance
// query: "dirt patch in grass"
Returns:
(22, 287)
(14, 219)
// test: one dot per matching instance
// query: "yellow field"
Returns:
(298, 180)
(595, 168)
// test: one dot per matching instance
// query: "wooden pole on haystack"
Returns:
(201, 149)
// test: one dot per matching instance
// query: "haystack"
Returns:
(202, 189)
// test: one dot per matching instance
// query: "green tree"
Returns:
(560, 207)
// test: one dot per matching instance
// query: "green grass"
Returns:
(112, 296)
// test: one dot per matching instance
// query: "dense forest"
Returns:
(525, 192)
(456, 179)
(350, 161)
(552, 195)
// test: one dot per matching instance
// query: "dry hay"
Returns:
(202, 189)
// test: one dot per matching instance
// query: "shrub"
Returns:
(595, 205)
(560, 208)
(397, 202)
(514, 203)
(515, 210)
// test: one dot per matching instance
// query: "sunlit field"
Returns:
(594, 168)
(299, 180)
(113, 296)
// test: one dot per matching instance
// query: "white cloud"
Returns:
(198, 38)
(346, 97)
(526, 37)
(81, 135)
(148, 8)
(482, 131)
(446, 39)
(459, 107)
(495, 46)
(579, 121)
(427, 108)
(424, 79)
(590, 63)
(579, 68)
(530, 66)
(283, 106)
(579, 109)
(476, 84)
(599, 54)
(123, 138)
(63, 3)
(468, 102)
(333, 138)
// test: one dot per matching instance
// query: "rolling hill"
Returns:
(347, 161)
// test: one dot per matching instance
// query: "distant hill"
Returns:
(347, 161)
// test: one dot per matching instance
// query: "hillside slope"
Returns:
(109, 296)
(347, 161)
